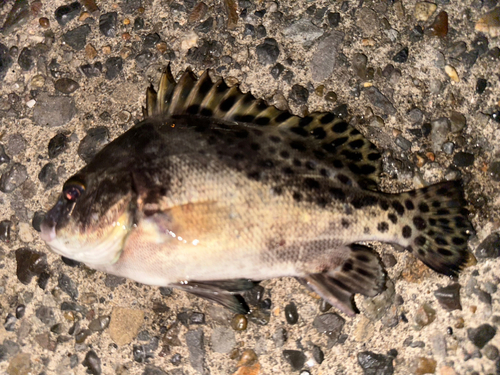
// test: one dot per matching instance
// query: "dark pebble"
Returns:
(144, 58)
(260, 32)
(401, 56)
(176, 359)
(480, 44)
(5, 230)
(266, 304)
(496, 116)
(324, 306)
(166, 291)
(299, 94)
(82, 335)
(207, 54)
(57, 145)
(142, 353)
(68, 286)
(114, 66)
(150, 40)
(99, 324)
(341, 111)
(268, 51)
(153, 370)
(494, 171)
(197, 318)
(280, 336)
(481, 84)
(48, 176)
(46, 315)
(77, 38)
(291, 314)
(20, 311)
(206, 26)
(483, 296)
(43, 280)
(333, 19)
(66, 85)
(463, 159)
(93, 363)
(138, 23)
(449, 297)
(254, 295)
(70, 262)
(10, 322)
(130, 6)
(107, 24)
(66, 13)
(13, 177)
(295, 358)
(26, 59)
(490, 247)
(491, 352)
(330, 324)
(5, 60)
(403, 142)
(53, 111)
(318, 354)
(416, 34)
(4, 158)
(71, 306)
(92, 70)
(93, 142)
(239, 322)
(375, 364)
(260, 316)
(196, 347)
(112, 281)
(494, 54)
(481, 335)
(29, 263)
(448, 148)
(439, 27)
(469, 58)
(249, 30)
(379, 100)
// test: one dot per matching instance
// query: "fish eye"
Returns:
(72, 190)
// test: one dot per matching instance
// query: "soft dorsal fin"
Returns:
(338, 143)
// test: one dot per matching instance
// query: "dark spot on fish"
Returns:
(364, 201)
(288, 171)
(275, 139)
(322, 201)
(444, 221)
(441, 241)
(271, 150)
(406, 231)
(442, 191)
(412, 193)
(319, 154)
(254, 175)
(297, 196)
(337, 194)
(393, 218)
(277, 190)
(367, 169)
(443, 211)
(267, 163)
(420, 241)
(366, 230)
(298, 145)
(311, 183)
(255, 146)
(340, 127)
(444, 252)
(338, 164)
(285, 154)
(238, 156)
(363, 272)
(297, 163)
(263, 121)
(362, 258)
(383, 227)
(354, 132)
(398, 207)
(419, 223)
(423, 207)
(282, 117)
(300, 131)
(329, 117)
(347, 267)
(339, 141)
(193, 109)
(227, 103)
(344, 179)
(345, 223)
(436, 204)
(319, 133)
(356, 144)
(324, 172)
(384, 204)
(222, 87)
(458, 241)
(243, 133)
(431, 233)
(206, 112)
(328, 147)
(409, 205)
(374, 156)
(310, 165)
(205, 87)
(432, 221)
(305, 121)
(353, 156)
(421, 252)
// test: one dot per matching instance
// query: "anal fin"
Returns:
(361, 273)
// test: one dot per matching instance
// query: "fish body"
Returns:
(214, 189)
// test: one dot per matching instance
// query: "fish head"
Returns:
(92, 216)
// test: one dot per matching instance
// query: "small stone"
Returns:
(299, 94)
(490, 23)
(403, 143)
(239, 322)
(44, 22)
(150, 40)
(359, 62)
(490, 247)
(66, 85)
(206, 26)
(197, 318)
(48, 176)
(268, 51)
(222, 340)
(424, 10)
(53, 111)
(333, 18)
(425, 315)
(481, 84)
(138, 23)
(457, 122)
(440, 129)
(107, 24)
(114, 66)
(438, 342)
(491, 352)
(66, 13)
(46, 315)
(331, 97)
(93, 142)
(401, 56)
(295, 358)
(330, 324)
(125, 324)
(90, 52)
(449, 297)
(6, 60)
(303, 31)
(276, 70)
(368, 21)
(291, 314)
(26, 59)
(195, 344)
(452, 73)
(448, 148)
(326, 56)
(91, 70)
(20, 365)
(424, 365)
(375, 364)
(481, 335)
(439, 27)
(16, 144)
(93, 363)
(77, 38)
(4, 158)
(68, 286)
(10, 323)
(100, 324)
(463, 159)
(57, 145)
(280, 336)
(20, 311)
(379, 100)
(13, 177)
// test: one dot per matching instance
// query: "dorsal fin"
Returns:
(338, 143)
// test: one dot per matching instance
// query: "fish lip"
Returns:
(47, 232)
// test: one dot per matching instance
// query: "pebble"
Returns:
(423, 366)
(439, 27)
(16, 144)
(222, 340)
(448, 148)
(4, 158)
(68, 286)
(46, 315)
(276, 70)
(150, 40)
(491, 352)
(100, 324)
(196, 347)
(440, 128)
(375, 364)
(452, 73)
(153, 370)
(114, 66)
(44, 22)
(6, 60)
(424, 10)
(325, 58)
(268, 51)
(107, 24)
(25, 234)
(57, 145)
(66, 85)
(291, 314)
(379, 100)
(481, 335)
(48, 176)
(401, 56)
(130, 6)
(53, 111)
(209, 53)
(438, 342)
(239, 322)
(125, 324)
(334, 18)
(490, 23)
(303, 31)
(403, 143)
(18, 15)
(20, 311)
(66, 13)
(13, 177)
(457, 122)
(425, 315)
(92, 362)
(295, 358)
(299, 94)
(490, 247)
(330, 324)
(93, 142)
(138, 23)
(92, 70)
(481, 84)
(463, 159)
(77, 38)
(368, 21)
(8, 349)
(26, 59)
(280, 336)
(449, 297)
(10, 322)
(205, 26)
(197, 318)
(20, 364)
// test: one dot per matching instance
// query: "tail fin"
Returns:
(438, 226)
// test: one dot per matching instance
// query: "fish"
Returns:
(215, 191)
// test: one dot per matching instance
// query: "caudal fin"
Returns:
(437, 228)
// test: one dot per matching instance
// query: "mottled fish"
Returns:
(215, 189)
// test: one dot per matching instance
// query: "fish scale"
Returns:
(215, 190)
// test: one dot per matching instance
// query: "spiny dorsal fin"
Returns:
(332, 140)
